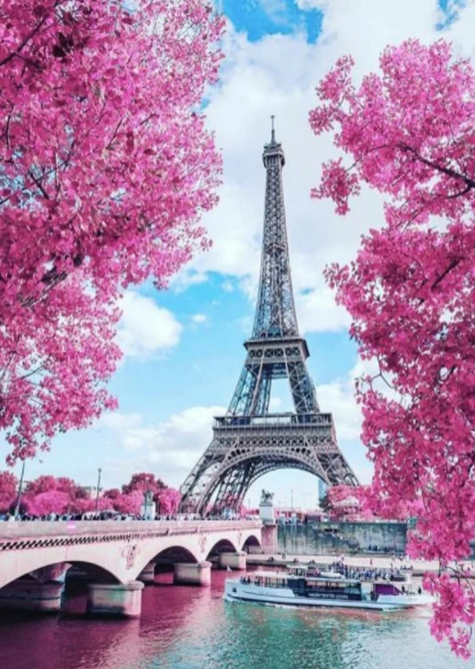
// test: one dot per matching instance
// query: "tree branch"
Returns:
(439, 168)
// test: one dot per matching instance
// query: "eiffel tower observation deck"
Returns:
(248, 441)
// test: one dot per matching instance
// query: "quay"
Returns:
(361, 561)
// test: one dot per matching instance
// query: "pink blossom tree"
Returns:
(168, 501)
(112, 494)
(106, 170)
(8, 490)
(41, 499)
(129, 504)
(49, 483)
(348, 503)
(408, 131)
(46, 503)
(143, 482)
(83, 505)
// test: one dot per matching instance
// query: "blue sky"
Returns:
(259, 18)
(184, 347)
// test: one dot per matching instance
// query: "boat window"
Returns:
(277, 581)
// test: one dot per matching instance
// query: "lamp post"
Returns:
(20, 489)
(98, 487)
(291, 501)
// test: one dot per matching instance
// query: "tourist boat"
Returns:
(299, 587)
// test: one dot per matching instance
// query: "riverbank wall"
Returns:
(328, 538)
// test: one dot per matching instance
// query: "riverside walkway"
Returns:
(363, 561)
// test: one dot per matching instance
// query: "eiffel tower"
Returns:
(248, 441)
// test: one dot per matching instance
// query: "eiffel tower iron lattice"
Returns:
(249, 441)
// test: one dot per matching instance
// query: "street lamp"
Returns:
(292, 501)
(98, 487)
(20, 489)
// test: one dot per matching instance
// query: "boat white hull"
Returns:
(235, 591)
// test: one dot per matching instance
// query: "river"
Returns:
(192, 628)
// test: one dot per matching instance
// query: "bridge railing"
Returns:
(37, 529)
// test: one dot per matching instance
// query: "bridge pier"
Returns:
(269, 538)
(119, 599)
(192, 573)
(235, 561)
(31, 596)
(147, 575)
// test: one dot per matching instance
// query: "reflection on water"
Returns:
(192, 628)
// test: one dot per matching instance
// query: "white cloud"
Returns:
(318, 312)
(227, 286)
(187, 277)
(338, 397)
(199, 319)
(276, 10)
(145, 328)
(169, 448)
(461, 32)
(120, 421)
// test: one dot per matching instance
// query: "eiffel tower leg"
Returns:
(224, 498)
(244, 393)
(196, 482)
(338, 470)
(234, 486)
(263, 398)
(303, 390)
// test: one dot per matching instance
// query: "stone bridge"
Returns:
(118, 556)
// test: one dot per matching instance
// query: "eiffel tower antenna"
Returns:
(248, 441)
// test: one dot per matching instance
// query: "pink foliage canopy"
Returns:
(144, 481)
(48, 483)
(129, 504)
(169, 501)
(8, 490)
(410, 293)
(48, 494)
(106, 170)
(45, 503)
(348, 503)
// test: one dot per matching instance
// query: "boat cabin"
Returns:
(323, 586)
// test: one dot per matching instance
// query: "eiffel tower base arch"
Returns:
(242, 452)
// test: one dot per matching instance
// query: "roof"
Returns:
(284, 574)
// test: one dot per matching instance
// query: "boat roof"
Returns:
(336, 580)
(284, 574)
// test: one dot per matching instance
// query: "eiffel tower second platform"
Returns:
(248, 441)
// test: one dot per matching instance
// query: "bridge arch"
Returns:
(222, 546)
(172, 550)
(251, 543)
(44, 570)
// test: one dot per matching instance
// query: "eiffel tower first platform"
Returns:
(248, 441)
